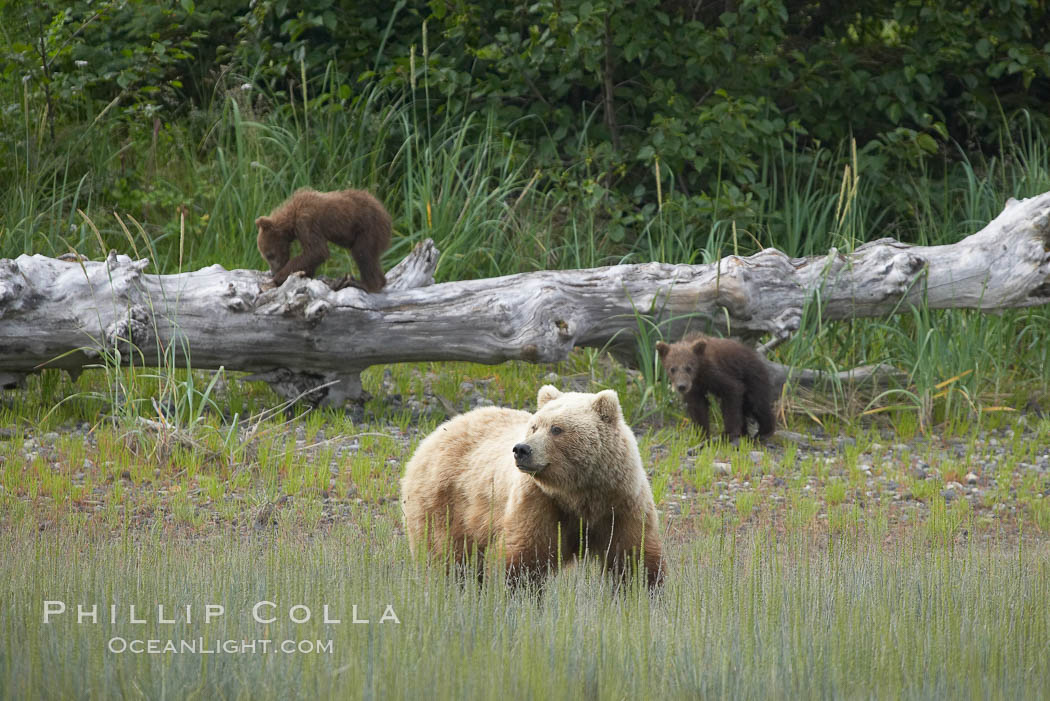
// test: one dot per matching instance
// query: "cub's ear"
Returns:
(699, 346)
(661, 349)
(547, 393)
(607, 405)
(260, 221)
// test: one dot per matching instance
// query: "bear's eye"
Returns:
(556, 430)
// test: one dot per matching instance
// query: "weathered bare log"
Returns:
(62, 314)
(879, 374)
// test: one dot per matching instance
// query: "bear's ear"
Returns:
(547, 393)
(263, 221)
(607, 405)
(661, 349)
(698, 347)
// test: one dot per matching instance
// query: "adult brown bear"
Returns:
(542, 488)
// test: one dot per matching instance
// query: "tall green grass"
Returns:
(742, 617)
(462, 180)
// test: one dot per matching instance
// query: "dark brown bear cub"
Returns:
(353, 219)
(734, 373)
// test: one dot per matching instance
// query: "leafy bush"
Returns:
(713, 113)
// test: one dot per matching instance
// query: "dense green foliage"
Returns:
(706, 109)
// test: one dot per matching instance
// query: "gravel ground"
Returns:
(898, 482)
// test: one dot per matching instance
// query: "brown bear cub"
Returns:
(353, 219)
(540, 489)
(735, 374)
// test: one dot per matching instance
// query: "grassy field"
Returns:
(843, 560)
(759, 615)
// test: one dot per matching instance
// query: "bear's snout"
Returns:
(681, 387)
(523, 458)
(522, 451)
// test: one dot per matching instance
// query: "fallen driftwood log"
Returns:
(68, 314)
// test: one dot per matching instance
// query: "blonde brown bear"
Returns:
(565, 481)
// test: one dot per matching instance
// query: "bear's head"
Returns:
(578, 442)
(273, 244)
(681, 361)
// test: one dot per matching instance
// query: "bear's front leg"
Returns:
(733, 412)
(697, 408)
(534, 547)
(529, 562)
(636, 542)
(655, 565)
(314, 253)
